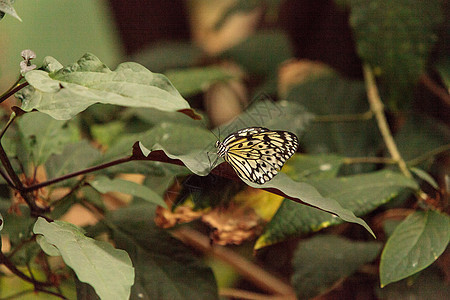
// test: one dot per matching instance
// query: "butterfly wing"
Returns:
(257, 154)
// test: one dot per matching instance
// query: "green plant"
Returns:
(157, 133)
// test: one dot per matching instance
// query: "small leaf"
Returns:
(66, 92)
(165, 267)
(414, 245)
(323, 260)
(196, 80)
(7, 8)
(1, 222)
(104, 185)
(426, 177)
(358, 193)
(43, 136)
(108, 270)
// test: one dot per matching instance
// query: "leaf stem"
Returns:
(14, 89)
(74, 174)
(7, 125)
(344, 117)
(17, 184)
(436, 151)
(377, 107)
(370, 160)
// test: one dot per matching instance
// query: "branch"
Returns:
(437, 90)
(376, 105)
(37, 284)
(74, 174)
(250, 271)
(17, 87)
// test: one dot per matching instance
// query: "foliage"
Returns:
(81, 129)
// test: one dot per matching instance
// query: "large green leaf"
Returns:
(321, 261)
(332, 96)
(165, 268)
(64, 92)
(104, 185)
(108, 270)
(414, 245)
(358, 193)
(43, 136)
(195, 80)
(396, 38)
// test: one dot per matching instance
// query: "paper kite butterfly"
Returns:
(256, 153)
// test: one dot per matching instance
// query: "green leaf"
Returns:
(196, 80)
(428, 284)
(104, 185)
(7, 8)
(106, 269)
(43, 136)
(330, 95)
(165, 267)
(307, 193)
(262, 52)
(358, 193)
(415, 244)
(74, 157)
(322, 261)
(66, 92)
(395, 38)
(425, 176)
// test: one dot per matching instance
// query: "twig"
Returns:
(370, 160)
(437, 90)
(7, 125)
(344, 117)
(74, 174)
(38, 284)
(246, 295)
(12, 91)
(378, 109)
(434, 152)
(254, 273)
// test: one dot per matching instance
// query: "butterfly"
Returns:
(257, 153)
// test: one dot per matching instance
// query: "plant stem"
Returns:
(371, 160)
(7, 125)
(376, 105)
(426, 155)
(17, 87)
(344, 117)
(17, 183)
(74, 174)
(38, 284)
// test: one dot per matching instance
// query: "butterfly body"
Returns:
(257, 153)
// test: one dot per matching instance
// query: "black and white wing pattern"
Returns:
(257, 153)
